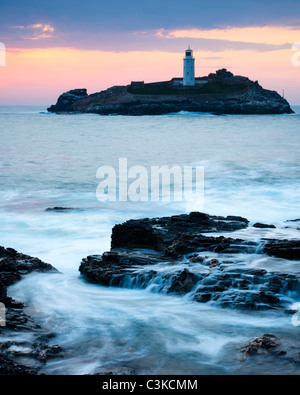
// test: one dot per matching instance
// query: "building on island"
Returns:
(189, 81)
(189, 78)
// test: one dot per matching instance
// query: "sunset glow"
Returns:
(39, 75)
(47, 56)
(277, 35)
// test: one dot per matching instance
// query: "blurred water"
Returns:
(251, 169)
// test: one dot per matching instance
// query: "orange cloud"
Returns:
(276, 35)
(42, 27)
(37, 31)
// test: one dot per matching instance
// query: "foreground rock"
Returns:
(21, 357)
(121, 371)
(264, 226)
(245, 289)
(288, 249)
(177, 255)
(59, 209)
(26, 358)
(262, 345)
(14, 265)
(223, 96)
(271, 352)
(181, 234)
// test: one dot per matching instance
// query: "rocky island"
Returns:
(219, 93)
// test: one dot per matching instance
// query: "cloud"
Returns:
(237, 38)
(256, 39)
(42, 27)
(37, 31)
(272, 35)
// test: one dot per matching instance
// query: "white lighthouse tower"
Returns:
(189, 68)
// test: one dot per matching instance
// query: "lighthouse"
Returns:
(189, 68)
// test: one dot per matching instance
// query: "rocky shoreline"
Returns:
(122, 100)
(19, 357)
(207, 264)
(196, 254)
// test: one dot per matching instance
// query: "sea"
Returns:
(251, 168)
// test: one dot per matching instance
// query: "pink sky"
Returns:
(36, 76)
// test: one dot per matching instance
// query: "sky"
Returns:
(55, 46)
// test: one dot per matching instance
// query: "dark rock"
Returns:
(139, 245)
(17, 358)
(251, 289)
(67, 99)
(179, 234)
(250, 300)
(113, 268)
(213, 263)
(58, 209)
(287, 249)
(13, 266)
(196, 258)
(62, 209)
(44, 352)
(18, 320)
(203, 297)
(8, 367)
(183, 283)
(247, 289)
(263, 226)
(121, 371)
(186, 244)
(263, 345)
(3, 291)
